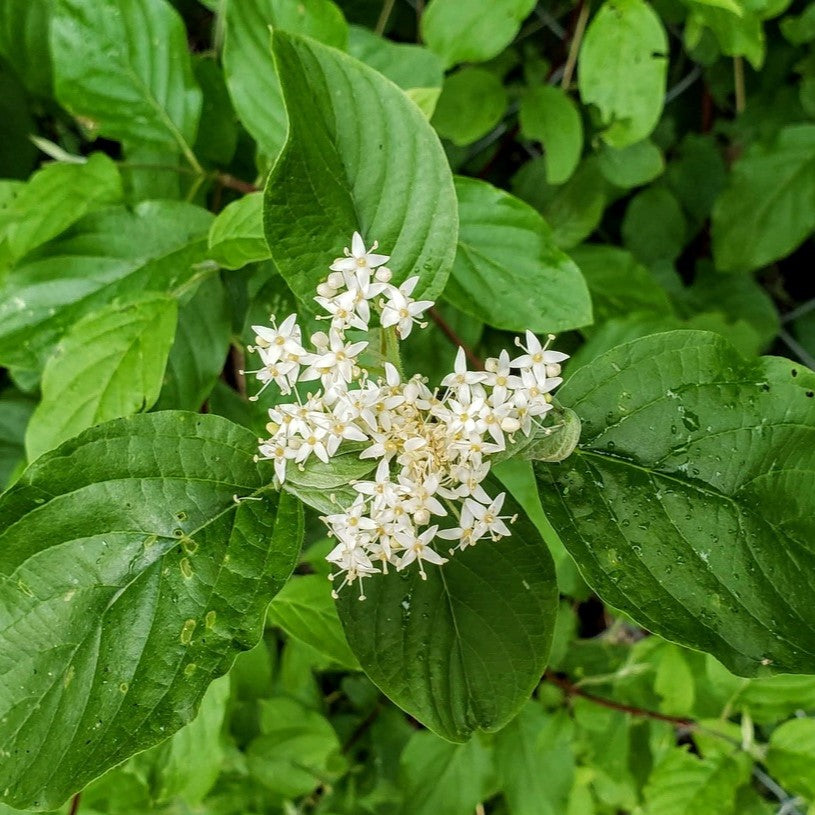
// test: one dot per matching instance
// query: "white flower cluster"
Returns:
(433, 446)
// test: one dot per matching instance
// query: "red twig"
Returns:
(227, 180)
(571, 689)
(454, 338)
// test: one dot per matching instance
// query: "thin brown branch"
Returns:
(454, 338)
(360, 730)
(237, 184)
(237, 363)
(75, 804)
(574, 45)
(570, 689)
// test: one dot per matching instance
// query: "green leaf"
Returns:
(472, 102)
(109, 365)
(622, 68)
(619, 285)
(654, 228)
(188, 765)
(236, 237)
(304, 610)
(697, 175)
(684, 784)
(24, 42)
(108, 254)
(469, 30)
(532, 741)
(791, 756)
(338, 174)
(574, 209)
(217, 137)
(110, 72)
(15, 411)
(738, 34)
(550, 116)
(693, 483)
(130, 580)
(631, 166)
(439, 778)
(251, 75)
(508, 271)
(462, 650)
(199, 350)
(408, 65)
(55, 197)
(767, 209)
(295, 752)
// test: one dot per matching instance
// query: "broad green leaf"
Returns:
(297, 749)
(130, 580)
(654, 228)
(674, 681)
(236, 237)
(791, 757)
(109, 365)
(188, 765)
(251, 75)
(574, 209)
(337, 173)
(55, 197)
(217, 137)
(304, 610)
(768, 208)
(108, 254)
(15, 411)
(618, 284)
(462, 650)
(439, 778)
(472, 102)
(535, 759)
(550, 116)
(631, 166)
(469, 30)
(123, 69)
(425, 99)
(199, 350)
(684, 784)
(508, 271)
(18, 155)
(692, 483)
(799, 29)
(24, 42)
(622, 68)
(409, 66)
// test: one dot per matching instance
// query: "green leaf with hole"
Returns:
(129, 579)
(123, 69)
(508, 271)
(109, 365)
(338, 174)
(462, 650)
(622, 69)
(690, 501)
(550, 116)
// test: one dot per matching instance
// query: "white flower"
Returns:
(433, 448)
(537, 357)
(419, 550)
(359, 257)
(401, 310)
(461, 378)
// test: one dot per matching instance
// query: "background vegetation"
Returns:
(662, 162)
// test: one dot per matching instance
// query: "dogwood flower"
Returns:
(432, 449)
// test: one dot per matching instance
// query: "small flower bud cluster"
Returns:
(433, 446)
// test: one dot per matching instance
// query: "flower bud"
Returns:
(319, 339)
(510, 425)
(552, 370)
(336, 280)
(325, 290)
(383, 274)
(421, 517)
